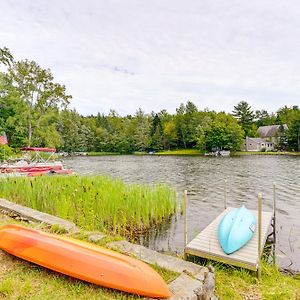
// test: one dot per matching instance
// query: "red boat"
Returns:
(37, 166)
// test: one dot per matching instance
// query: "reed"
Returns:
(94, 202)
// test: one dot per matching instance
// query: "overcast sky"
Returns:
(126, 54)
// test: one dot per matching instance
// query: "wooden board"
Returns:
(206, 244)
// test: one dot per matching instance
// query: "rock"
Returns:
(27, 213)
(95, 237)
(185, 287)
(207, 292)
(165, 261)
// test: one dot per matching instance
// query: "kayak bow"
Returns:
(236, 229)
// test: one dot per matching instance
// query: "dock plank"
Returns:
(206, 244)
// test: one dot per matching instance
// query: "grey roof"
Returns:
(269, 131)
(258, 140)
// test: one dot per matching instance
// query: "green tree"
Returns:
(5, 152)
(38, 91)
(47, 135)
(142, 131)
(69, 127)
(245, 116)
(6, 57)
(12, 112)
(281, 139)
(156, 131)
(263, 118)
(291, 117)
(293, 132)
(201, 131)
(181, 126)
(169, 135)
(186, 123)
(221, 132)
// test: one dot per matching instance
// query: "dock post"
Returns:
(274, 223)
(225, 194)
(259, 236)
(185, 221)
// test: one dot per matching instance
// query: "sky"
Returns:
(154, 55)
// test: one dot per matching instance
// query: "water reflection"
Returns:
(204, 178)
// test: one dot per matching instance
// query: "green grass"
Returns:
(102, 153)
(23, 280)
(165, 152)
(241, 284)
(180, 152)
(235, 283)
(35, 282)
(94, 202)
(140, 153)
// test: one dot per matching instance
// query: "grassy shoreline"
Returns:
(187, 152)
(36, 282)
(95, 202)
(102, 153)
(239, 284)
(195, 152)
(181, 152)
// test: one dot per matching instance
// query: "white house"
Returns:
(266, 141)
(257, 144)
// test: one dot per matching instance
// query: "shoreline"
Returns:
(243, 282)
(186, 152)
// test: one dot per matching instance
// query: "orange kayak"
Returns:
(83, 260)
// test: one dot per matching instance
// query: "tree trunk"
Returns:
(29, 129)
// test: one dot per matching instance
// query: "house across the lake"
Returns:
(268, 137)
(258, 144)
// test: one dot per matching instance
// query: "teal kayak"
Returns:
(236, 229)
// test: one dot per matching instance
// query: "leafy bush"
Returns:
(5, 152)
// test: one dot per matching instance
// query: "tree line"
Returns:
(34, 111)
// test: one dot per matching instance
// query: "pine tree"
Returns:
(244, 115)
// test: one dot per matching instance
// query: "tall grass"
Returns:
(94, 202)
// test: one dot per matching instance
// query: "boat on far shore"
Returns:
(37, 166)
(218, 153)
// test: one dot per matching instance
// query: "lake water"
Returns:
(204, 178)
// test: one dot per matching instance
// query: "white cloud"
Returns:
(155, 54)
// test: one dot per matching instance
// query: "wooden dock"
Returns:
(206, 244)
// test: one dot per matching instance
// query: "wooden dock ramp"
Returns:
(206, 244)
